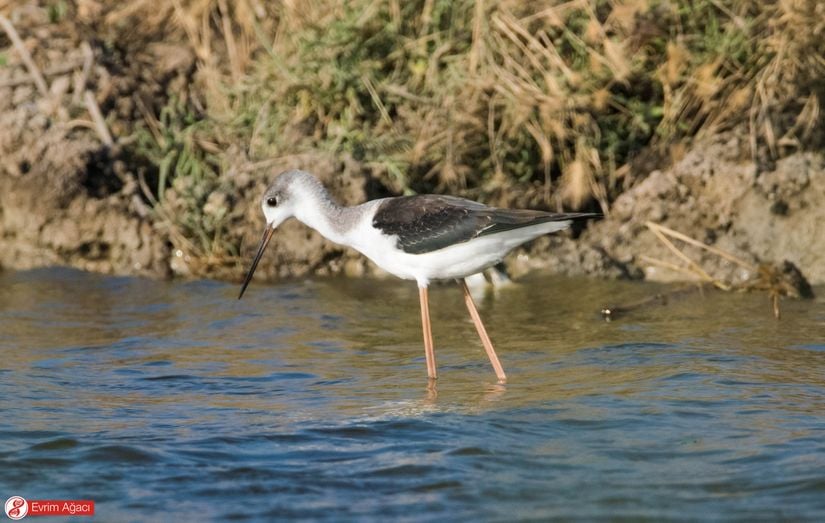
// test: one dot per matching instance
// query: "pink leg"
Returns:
(429, 351)
(482, 333)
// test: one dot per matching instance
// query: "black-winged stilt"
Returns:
(422, 238)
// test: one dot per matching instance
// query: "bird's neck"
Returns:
(321, 212)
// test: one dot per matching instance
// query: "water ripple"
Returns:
(307, 401)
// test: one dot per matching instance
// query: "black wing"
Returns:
(429, 222)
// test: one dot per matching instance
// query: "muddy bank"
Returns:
(44, 222)
(69, 192)
(716, 194)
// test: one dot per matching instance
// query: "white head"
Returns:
(282, 200)
(289, 190)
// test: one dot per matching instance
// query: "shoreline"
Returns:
(761, 217)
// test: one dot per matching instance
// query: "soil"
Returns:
(69, 198)
(718, 195)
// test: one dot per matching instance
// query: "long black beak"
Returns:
(264, 241)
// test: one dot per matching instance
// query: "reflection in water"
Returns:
(310, 399)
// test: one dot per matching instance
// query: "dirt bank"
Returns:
(69, 194)
(719, 196)
(57, 214)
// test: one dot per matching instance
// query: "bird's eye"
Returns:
(272, 201)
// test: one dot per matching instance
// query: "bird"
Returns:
(425, 238)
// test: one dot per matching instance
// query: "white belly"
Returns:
(457, 261)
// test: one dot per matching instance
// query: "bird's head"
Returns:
(279, 203)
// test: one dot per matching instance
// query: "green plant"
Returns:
(187, 176)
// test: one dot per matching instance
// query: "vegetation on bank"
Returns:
(474, 94)
(559, 98)
(462, 91)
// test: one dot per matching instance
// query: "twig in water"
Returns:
(777, 281)
(610, 313)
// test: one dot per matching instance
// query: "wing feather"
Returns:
(427, 223)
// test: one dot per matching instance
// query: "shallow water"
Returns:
(309, 400)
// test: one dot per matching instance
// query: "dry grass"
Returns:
(760, 64)
(483, 94)
(464, 93)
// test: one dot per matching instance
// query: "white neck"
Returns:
(319, 211)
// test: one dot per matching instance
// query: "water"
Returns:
(308, 400)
